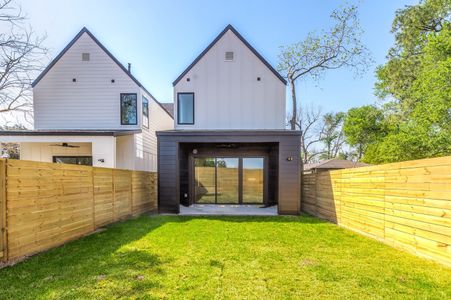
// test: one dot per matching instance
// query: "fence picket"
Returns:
(51, 204)
(406, 205)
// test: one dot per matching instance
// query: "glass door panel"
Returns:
(227, 178)
(204, 183)
(253, 178)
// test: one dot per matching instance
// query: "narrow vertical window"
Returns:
(145, 112)
(129, 109)
(185, 108)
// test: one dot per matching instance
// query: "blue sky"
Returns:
(161, 38)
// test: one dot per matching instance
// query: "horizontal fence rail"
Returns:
(406, 205)
(44, 205)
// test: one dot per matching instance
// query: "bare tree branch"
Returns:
(309, 124)
(339, 47)
(21, 54)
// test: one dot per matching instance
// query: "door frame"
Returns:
(192, 176)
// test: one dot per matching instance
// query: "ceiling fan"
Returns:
(65, 145)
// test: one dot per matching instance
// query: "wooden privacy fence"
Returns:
(406, 205)
(44, 205)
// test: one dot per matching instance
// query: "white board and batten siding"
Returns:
(139, 151)
(145, 158)
(227, 94)
(93, 102)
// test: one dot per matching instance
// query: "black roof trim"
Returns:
(230, 133)
(85, 30)
(69, 132)
(229, 27)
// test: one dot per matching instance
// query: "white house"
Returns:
(229, 145)
(89, 109)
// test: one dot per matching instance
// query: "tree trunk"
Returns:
(294, 102)
(294, 117)
(304, 156)
(360, 152)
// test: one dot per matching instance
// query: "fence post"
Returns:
(114, 195)
(3, 212)
(131, 192)
(93, 200)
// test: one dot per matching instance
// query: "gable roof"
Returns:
(169, 107)
(334, 164)
(74, 40)
(230, 27)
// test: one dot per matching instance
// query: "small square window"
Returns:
(85, 56)
(229, 56)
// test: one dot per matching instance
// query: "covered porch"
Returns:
(83, 147)
(229, 172)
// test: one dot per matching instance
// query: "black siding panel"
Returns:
(283, 175)
(167, 176)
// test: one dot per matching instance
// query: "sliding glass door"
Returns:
(205, 180)
(229, 180)
(227, 189)
(253, 179)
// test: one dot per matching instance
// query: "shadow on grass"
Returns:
(103, 259)
(107, 261)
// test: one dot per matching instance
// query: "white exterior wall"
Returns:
(139, 151)
(227, 95)
(145, 151)
(125, 152)
(38, 148)
(92, 102)
(44, 152)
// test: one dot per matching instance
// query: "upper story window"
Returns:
(85, 57)
(145, 112)
(129, 109)
(185, 108)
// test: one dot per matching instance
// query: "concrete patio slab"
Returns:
(228, 210)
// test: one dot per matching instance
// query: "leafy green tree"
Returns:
(363, 126)
(426, 129)
(417, 81)
(413, 27)
(332, 135)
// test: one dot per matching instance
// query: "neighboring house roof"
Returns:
(69, 132)
(85, 30)
(230, 27)
(334, 164)
(169, 108)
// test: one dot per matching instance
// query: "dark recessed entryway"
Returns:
(229, 168)
(220, 173)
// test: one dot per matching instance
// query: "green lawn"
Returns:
(225, 257)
